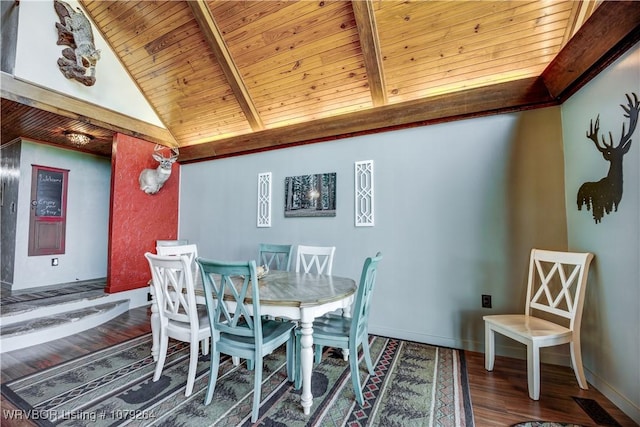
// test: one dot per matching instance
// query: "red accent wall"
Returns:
(137, 219)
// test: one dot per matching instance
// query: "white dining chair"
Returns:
(556, 289)
(180, 317)
(315, 259)
(190, 250)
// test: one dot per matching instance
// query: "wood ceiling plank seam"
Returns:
(231, 125)
(443, 37)
(315, 110)
(305, 108)
(289, 59)
(401, 27)
(140, 25)
(219, 94)
(301, 71)
(173, 37)
(101, 12)
(185, 48)
(234, 78)
(300, 45)
(423, 65)
(499, 67)
(462, 81)
(490, 22)
(474, 58)
(189, 66)
(150, 22)
(135, 22)
(324, 93)
(244, 13)
(345, 57)
(477, 59)
(315, 27)
(221, 98)
(300, 16)
(485, 39)
(313, 82)
(319, 87)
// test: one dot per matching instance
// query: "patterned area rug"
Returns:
(545, 424)
(415, 385)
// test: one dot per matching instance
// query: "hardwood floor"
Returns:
(499, 398)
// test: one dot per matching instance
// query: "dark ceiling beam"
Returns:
(610, 31)
(500, 98)
(73, 108)
(216, 42)
(370, 45)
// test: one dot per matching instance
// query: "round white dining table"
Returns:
(297, 296)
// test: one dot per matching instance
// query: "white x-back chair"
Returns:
(315, 259)
(556, 286)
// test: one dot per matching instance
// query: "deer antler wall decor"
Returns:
(152, 180)
(604, 196)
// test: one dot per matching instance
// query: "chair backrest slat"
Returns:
(174, 291)
(557, 282)
(320, 257)
(228, 284)
(191, 251)
(276, 257)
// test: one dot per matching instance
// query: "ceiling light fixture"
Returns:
(77, 138)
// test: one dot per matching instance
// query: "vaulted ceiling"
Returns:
(234, 77)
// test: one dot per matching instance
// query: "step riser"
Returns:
(73, 326)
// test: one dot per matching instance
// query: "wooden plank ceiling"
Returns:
(233, 77)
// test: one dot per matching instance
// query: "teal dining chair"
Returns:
(332, 330)
(275, 257)
(239, 331)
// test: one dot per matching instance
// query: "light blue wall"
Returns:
(87, 230)
(452, 216)
(611, 321)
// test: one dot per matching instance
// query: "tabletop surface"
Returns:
(301, 289)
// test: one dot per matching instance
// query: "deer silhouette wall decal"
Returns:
(604, 196)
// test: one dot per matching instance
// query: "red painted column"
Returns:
(137, 219)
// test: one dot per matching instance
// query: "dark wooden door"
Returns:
(48, 217)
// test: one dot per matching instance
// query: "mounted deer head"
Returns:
(152, 180)
(605, 195)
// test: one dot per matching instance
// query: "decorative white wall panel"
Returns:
(264, 199)
(364, 193)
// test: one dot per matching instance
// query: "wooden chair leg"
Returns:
(355, 379)
(576, 362)
(533, 371)
(162, 355)
(257, 386)
(213, 376)
(193, 365)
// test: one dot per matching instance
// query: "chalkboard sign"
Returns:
(49, 193)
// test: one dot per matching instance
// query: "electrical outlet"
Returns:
(54, 262)
(486, 301)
